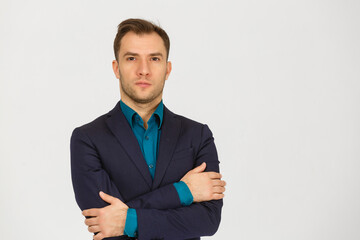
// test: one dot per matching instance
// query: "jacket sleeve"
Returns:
(88, 176)
(198, 219)
(165, 197)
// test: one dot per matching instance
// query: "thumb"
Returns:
(107, 198)
(200, 168)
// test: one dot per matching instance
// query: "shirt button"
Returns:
(147, 137)
(151, 166)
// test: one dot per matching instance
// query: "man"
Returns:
(140, 170)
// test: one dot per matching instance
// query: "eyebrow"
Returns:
(156, 54)
(136, 54)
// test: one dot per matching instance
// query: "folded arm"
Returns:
(89, 178)
(159, 211)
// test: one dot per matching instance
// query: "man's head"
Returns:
(139, 27)
(141, 64)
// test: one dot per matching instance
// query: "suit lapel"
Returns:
(118, 125)
(170, 131)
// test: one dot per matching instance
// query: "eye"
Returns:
(156, 59)
(130, 58)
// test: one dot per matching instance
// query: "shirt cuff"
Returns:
(186, 198)
(131, 224)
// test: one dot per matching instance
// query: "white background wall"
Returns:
(278, 82)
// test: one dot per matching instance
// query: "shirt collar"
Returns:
(130, 113)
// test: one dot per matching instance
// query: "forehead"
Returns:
(142, 44)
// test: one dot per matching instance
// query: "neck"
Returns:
(145, 110)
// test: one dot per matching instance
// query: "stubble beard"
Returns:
(130, 92)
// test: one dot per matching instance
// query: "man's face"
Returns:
(142, 68)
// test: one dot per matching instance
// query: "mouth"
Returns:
(142, 84)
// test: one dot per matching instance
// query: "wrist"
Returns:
(184, 193)
(131, 224)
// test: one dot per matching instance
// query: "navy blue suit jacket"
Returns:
(106, 156)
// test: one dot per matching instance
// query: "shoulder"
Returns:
(90, 131)
(96, 126)
(98, 122)
(188, 124)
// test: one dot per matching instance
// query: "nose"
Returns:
(143, 68)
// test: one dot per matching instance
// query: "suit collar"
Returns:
(119, 126)
(169, 136)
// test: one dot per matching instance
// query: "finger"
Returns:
(93, 212)
(99, 236)
(94, 229)
(199, 168)
(107, 198)
(217, 182)
(214, 175)
(218, 196)
(91, 221)
(218, 189)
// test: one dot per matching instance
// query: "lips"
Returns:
(142, 84)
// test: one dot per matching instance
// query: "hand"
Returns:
(204, 186)
(108, 221)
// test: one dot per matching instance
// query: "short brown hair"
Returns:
(139, 26)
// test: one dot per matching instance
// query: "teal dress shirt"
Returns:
(148, 140)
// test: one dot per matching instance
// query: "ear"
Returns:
(168, 69)
(115, 66)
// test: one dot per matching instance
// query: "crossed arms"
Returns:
(159, 212)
